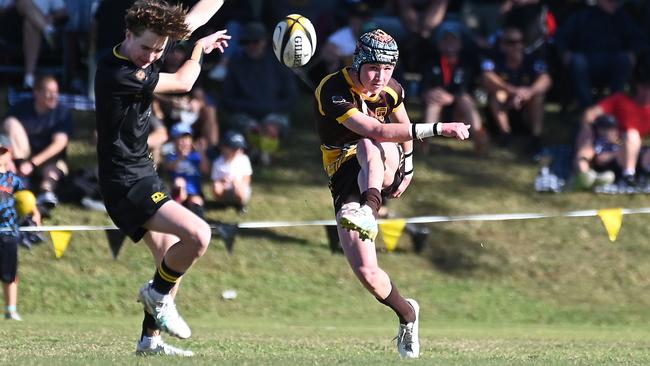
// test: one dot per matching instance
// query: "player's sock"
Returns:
(149, 322)
(372, 198)
(400, 306)
(165, 279)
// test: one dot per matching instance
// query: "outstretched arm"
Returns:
(183, 79)
(202, 12)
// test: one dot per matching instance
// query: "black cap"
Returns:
(605, 121)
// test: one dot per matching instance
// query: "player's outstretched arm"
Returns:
(184, 78)
(201, 12)
(399, 132)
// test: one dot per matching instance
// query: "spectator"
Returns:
(10, 183)
(483, 19)
(533, 19)
(158, 136)
(194, 108)
(633, 115)
(516, 83)
(40, 17)
(77, 41)
(419, 19)
(259, 93)
(186, 167)
(39, 130)
(597, 46)
(447, 81)
(232, 172)
(600, 162)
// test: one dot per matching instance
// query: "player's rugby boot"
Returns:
(408, 341)
(163, 308)
(150, 346)
(360, 220)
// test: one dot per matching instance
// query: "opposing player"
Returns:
(135, 198)
(366, 142)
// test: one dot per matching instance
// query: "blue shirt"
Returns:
(41, 127)
(9, 184)
(188, 169)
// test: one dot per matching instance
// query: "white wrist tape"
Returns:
(423, 130)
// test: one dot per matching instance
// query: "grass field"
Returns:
(535, 292)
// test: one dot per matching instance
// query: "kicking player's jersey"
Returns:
(336, 100)
(123, 96)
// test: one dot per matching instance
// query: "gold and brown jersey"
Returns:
(336, 100)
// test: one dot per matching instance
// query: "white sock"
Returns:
(629, 172)
(28, 80)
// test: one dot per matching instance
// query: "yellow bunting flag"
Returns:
(60, 240)
(391, 230)
(612, 219)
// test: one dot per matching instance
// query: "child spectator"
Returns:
(231, 173)
(186, 166)
(599, 163)
(9, 184)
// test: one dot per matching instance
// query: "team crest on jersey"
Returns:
(337, 99)
(380, 113)
(157, 197)
(139, 75)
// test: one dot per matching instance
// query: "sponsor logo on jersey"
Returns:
(337, 99)
(140, 75)
(157, 197)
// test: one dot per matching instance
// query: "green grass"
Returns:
(535, 292)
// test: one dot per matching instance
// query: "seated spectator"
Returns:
(483, 19)
(633, 115)
(186, 167)
(39, 130)
(419, 19)
(600, 162)
(516, 83)
(534, 20)
(259, 93)
(447, 81)
(597, 46)
(194, 108)
(232, 172)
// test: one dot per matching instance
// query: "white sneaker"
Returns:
(408, 341)
(150, 346)
(162, 308)
(13, 315)
(362, 221)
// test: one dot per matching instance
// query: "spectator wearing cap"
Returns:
(597, 46)
(259, 93)
(186, 166)
(517, 84)
(447, 78)
(39, 129)
(232, 173)
(632, 113)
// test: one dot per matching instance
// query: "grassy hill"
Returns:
(558, 271)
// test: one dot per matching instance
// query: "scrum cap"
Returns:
(375, 46)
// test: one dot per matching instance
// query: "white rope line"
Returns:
(411, 220)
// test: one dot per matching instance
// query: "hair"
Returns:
(158, 17)
(40, 82)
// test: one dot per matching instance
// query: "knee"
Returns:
(200, 236)
(368, 274)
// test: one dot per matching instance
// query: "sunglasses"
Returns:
(513, 41)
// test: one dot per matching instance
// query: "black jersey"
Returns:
(123, 96)
(336, 100)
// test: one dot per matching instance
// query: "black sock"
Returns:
(149, 322)
(372, 198)
(400, 306)
(165, 278)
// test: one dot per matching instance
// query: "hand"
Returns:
(402, 186)
(455, 129)
(218, 39)
(26, 168)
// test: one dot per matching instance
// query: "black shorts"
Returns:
(8, 258)
(132, 206)
(345, 187)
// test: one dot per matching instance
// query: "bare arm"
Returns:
(184, 78)
(494, 83)
(202, 12)
(541, 85)
(59, 143)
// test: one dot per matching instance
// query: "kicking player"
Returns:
(135, 198)
(366, 142)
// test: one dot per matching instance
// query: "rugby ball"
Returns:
(294, 40)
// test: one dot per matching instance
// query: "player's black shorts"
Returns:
(132, 206)
(8, 258)
(345, 187)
